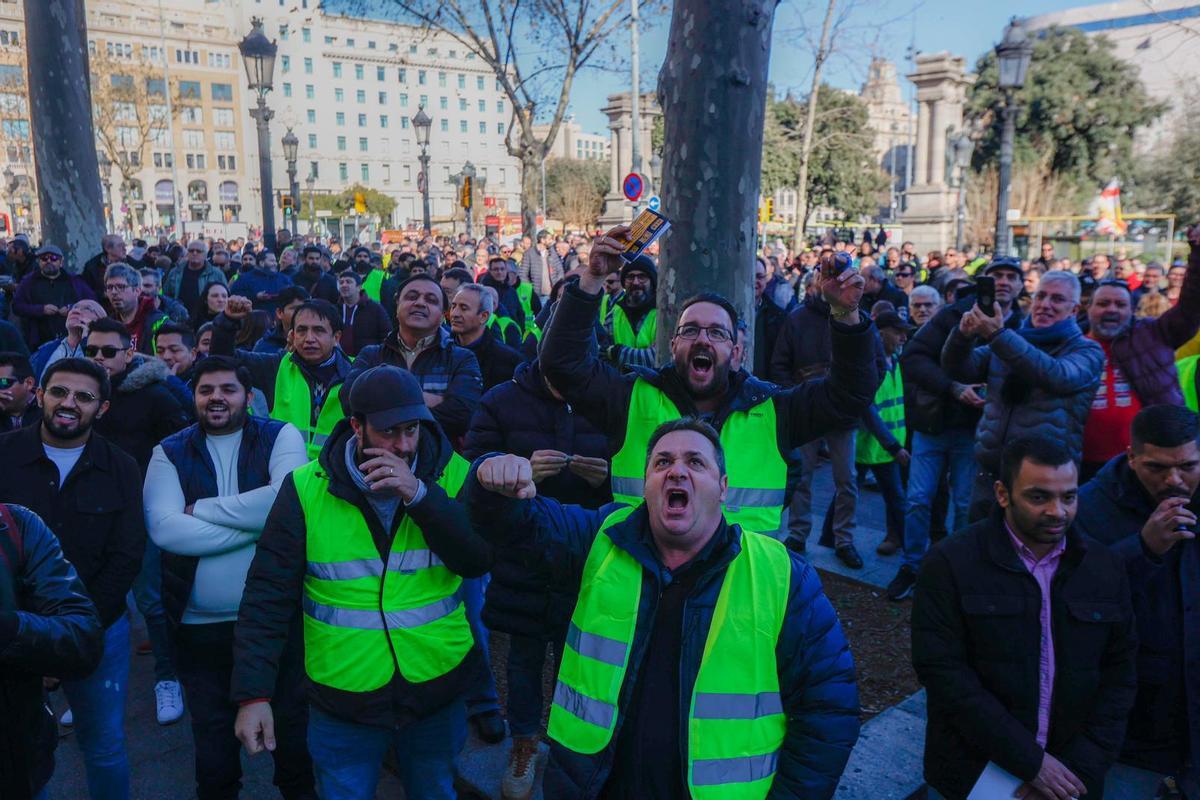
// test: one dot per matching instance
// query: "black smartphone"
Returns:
(985, 294)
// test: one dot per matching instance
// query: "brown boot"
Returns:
(522, 767)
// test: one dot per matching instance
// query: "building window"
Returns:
(403, 100)
(500, 128)
(462, 81)
(358, 72)
(191, 115)
(383, 120)
(330, 39)
(337, 69)
(350, 43)
(339, 96)
(483, 127)
(340, 118)
(360, 96)
(314, 169)
(483, 106)
(189, 90)
(287, 90)
(312, 141)
(387, 173)
(222, 117)
(462, 126)
(445, 125)
(224, 140)
(365, 170)
(222, 92)
(362, 120)
(462, 104)
(424, 101)
(379, 73)
(306, 34)
(442, 80)
(402, 75)
(341, 143)
(193, 139)
(421, 77)
(286, 63)
(499, 106)
(503, 176)
(343, 172)
(404, 123)
(310, 93)
(308, 66)
(370, 44)
(362, 144)
(312, 116)
(479, 82)
(383, 98)
(444, 102)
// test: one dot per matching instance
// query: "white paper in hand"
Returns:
(995, 784)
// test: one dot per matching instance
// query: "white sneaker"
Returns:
(67, 719)
(168, 696)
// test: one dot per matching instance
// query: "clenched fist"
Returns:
(511, 476)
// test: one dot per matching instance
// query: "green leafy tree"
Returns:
(378, 204)
(575, 190)
(1080, 107)
(843, 172)
(1168, 179)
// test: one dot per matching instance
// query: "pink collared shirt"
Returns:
(1042, 571)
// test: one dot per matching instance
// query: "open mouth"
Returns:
(702, 363)
(677, 499)
(217, 408)
(66, 417)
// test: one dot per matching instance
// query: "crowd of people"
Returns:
(325, 475)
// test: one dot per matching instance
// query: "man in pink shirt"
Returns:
(1023, 636)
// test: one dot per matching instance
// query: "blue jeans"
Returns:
(892, 488)
(147, 594)
(98, 703)
(348, 757)
(481, 696)
(526, 657)
(931, 457)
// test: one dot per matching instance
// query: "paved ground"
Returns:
(161, 757)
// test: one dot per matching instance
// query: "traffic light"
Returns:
(465, 200)
(286, 203)
(770, 208)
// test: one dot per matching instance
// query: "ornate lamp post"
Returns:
(1013, 54)
(11, 186)
(310, 182)
(422, 125)
(258, 56)
(291, 143)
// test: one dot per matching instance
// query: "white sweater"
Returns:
(222, 531)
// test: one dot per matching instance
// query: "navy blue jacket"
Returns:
(188, 452)
(1113, 507)
(249, 284)
(816, 671)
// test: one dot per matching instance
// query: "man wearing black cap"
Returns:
(313, 278)
(45, 296)
(633, 326)
(369, 541)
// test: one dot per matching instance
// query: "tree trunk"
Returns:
(806, 133)
(712, 90)
(531, 190)
(68, 176)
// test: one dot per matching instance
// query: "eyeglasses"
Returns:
(8, 383)
(904, 274)
(116, 287)
(108, 350)
(49, 257)
(62, 393)
(716, 334)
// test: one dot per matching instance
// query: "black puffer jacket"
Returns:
(48, 626)
(143, 410)
(519, 417)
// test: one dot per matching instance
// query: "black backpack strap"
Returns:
(12, 543)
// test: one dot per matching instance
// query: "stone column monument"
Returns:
(941, 82)
(616, 209)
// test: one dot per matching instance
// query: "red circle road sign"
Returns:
(633, 186)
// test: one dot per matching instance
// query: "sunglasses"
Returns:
(62, 393)
(9, 382)
(108, 350)
(904, 274)
(49, 257)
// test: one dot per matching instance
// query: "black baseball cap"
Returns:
(1004, 262)
(388, 396)
(891, 319)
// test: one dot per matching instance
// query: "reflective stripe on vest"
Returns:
(372, 284)
(757, 472)
(623, 333)
(889, 402)
(1186, 368)
(504, 323)
(736, 723)
(293, 403)
(525, 297)
(362, 620)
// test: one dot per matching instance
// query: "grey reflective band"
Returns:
(373, 620)
(719, 705)
(891, 401)
(319, 438)
(595, 712)
(630, 487)
(754, 498)
(593, 645)
(744, 769)
(406, 561)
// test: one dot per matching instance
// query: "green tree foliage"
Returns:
(575, 189)
(843, 172)
(1168, 178)
(378, 203)
(1080, 108)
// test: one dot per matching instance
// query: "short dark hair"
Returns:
(349, 273)
(430, 278)
(715, 299)
(80, 366)
(19, 363)
(203, 329)
(459, 274)
(186, 334)
(497, 257)
(1046, 451)
(290, 294)
(312, 248)
(689, 424)
(1163, 426)
(323, 309)
(221, 364)
(110, 325)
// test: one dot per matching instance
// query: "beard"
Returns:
(365, 442)
(62, 431)
(235, 418)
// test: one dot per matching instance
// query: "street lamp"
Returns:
(310, 182)
(422, 125)
(11, 185)
(961, 148)
(105, 164)
(258, 56)
(291, 143)
(1013, 54)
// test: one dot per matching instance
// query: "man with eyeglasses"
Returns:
(186, 282)
(122, 291)
(1139, 360)
(18, 402)
(760, 422)
(46, 295)
(89, 493)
